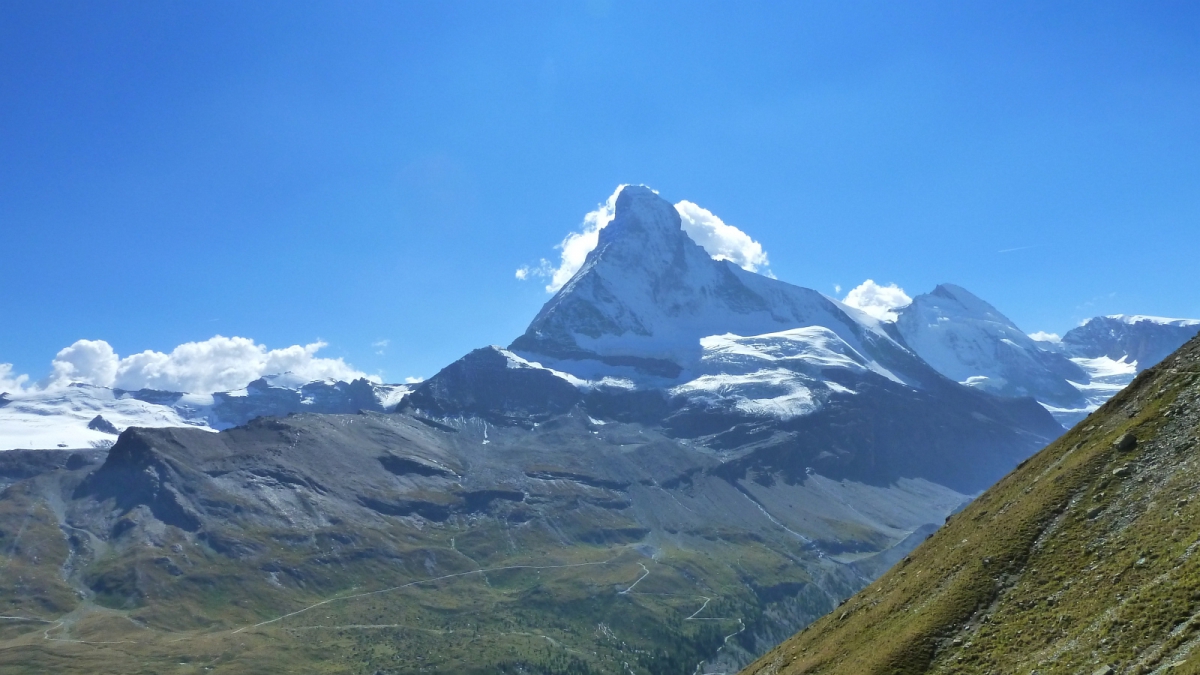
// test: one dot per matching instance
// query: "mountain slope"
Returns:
(395, 543)
(971, 342)
(647, 294)
(779, 378)
(1141, 340)
(1080, 561)
(677, 466)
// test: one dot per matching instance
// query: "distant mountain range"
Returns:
(972, 343)
(677, 465)
(652, 311)
(87, 416)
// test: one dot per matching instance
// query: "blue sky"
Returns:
(367, 172)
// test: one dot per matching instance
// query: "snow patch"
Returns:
(55, 418)
(777, 393)
(390, 395)
(837, 388)
(1132, 319)
(1105, 367)
(1107, 377)
(515, 362)
(810, 348)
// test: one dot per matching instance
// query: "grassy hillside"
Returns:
(1083, 560)
(439, 601)
(566, 581)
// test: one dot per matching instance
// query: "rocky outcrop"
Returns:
(100, 424)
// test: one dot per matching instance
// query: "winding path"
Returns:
(639, 580)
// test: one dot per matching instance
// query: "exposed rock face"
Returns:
(494, 384)
(262, 504)
(98, 423)
(1141, 339)
(262, 398)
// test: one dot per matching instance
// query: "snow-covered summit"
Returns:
(647, 295)
(970, 341)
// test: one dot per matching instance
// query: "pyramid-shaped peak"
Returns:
(954, 292)
(641, 199)
(647, 294)
(966, 300)
(641, 214)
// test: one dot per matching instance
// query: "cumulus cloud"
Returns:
(216, 364)
(722, 241)
(876, 300)
(413, 380)
(87, 361)
(573, 249)
(9, 382)
(1043, 336)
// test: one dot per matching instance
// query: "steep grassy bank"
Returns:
(1082, 559)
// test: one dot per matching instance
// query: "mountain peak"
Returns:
(969, 302)
(647, 294)
(645, 205)
(645, 236)
(968, 340)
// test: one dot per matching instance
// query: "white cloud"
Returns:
(1043, 336)
(216, 364)
(10, 383)
(88, 361)
(876, 300)
(722, 241)
(575, 246)
(413, 380)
